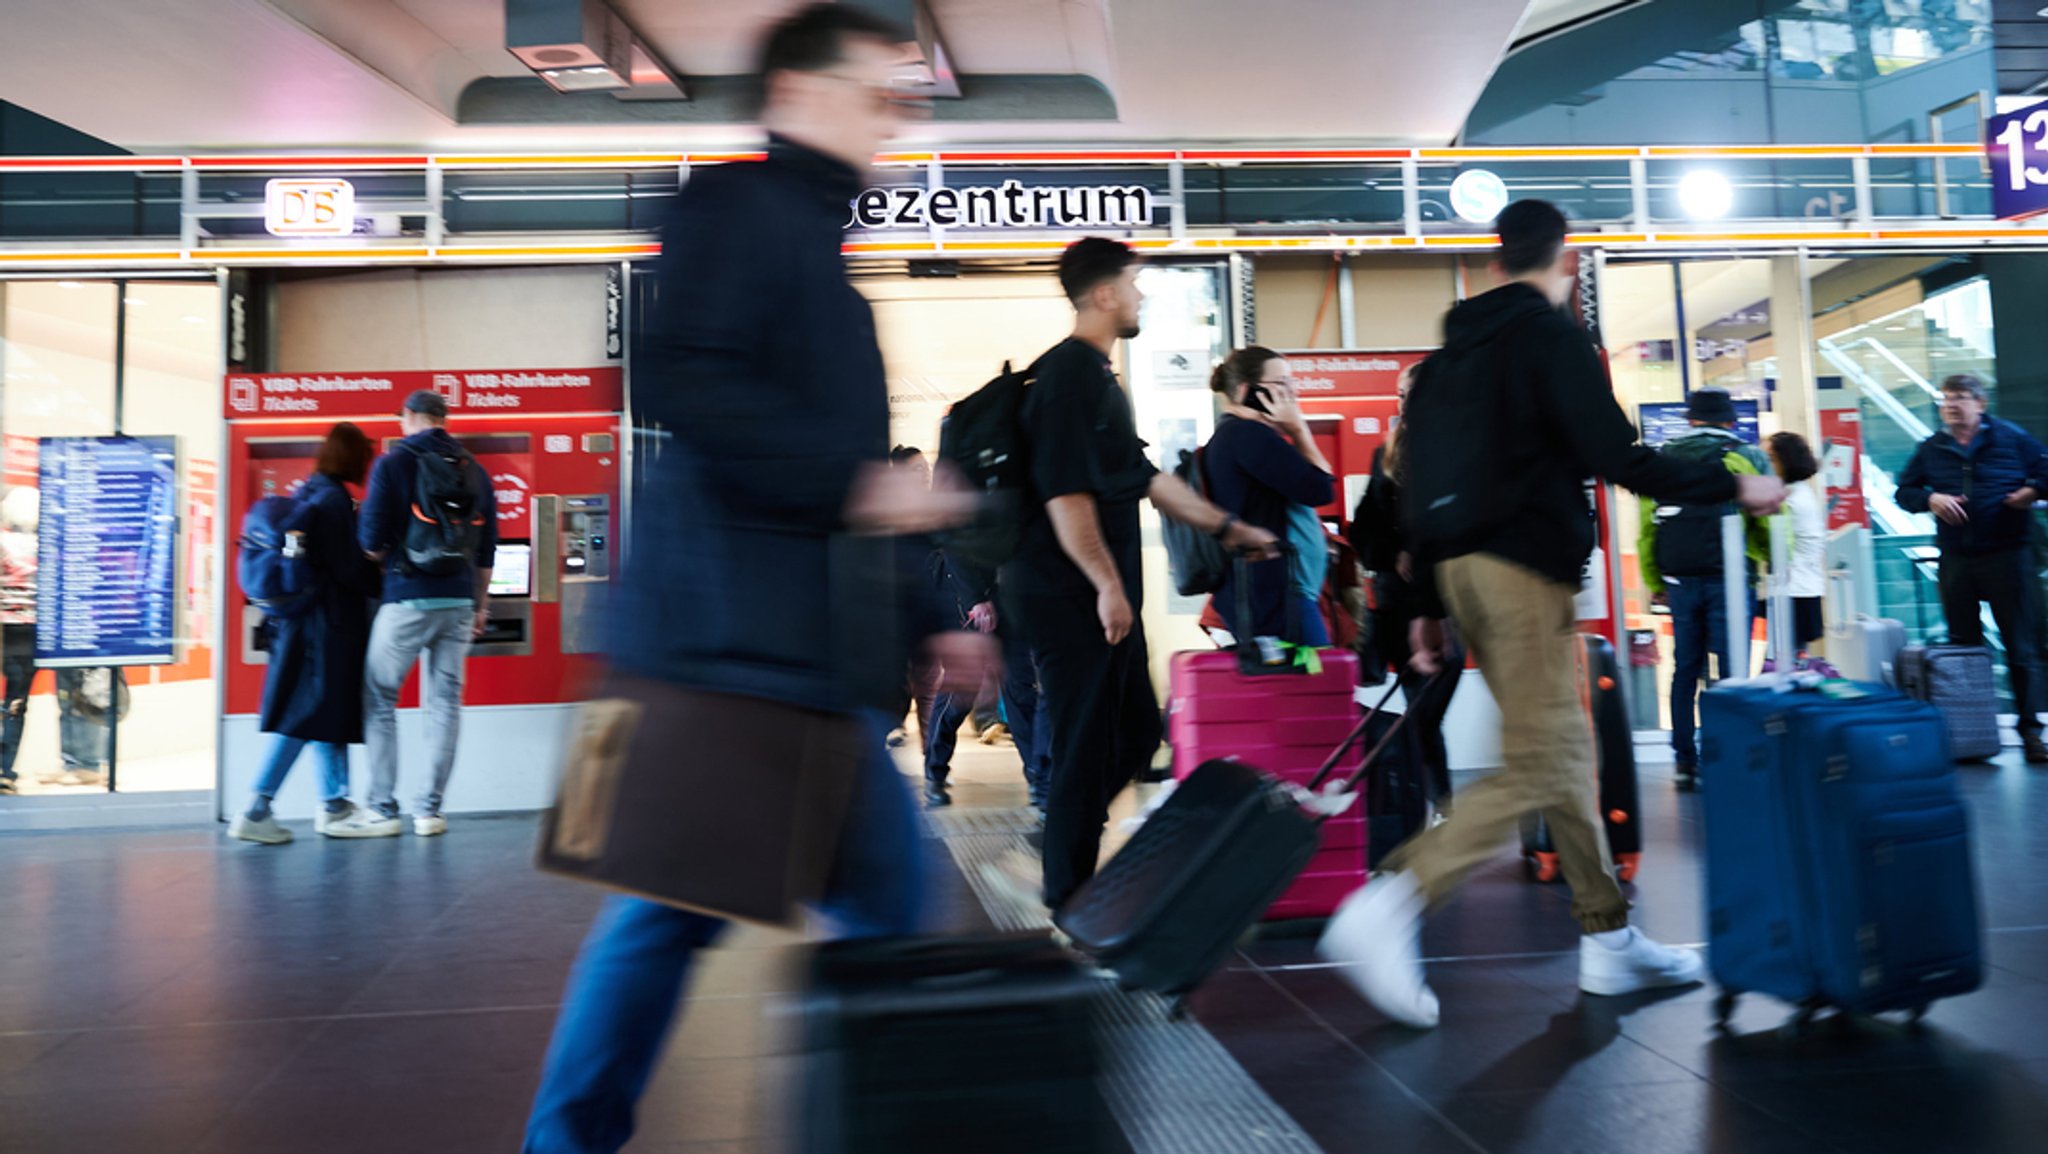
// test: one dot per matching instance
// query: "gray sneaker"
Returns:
(365, 823)
(263, 832)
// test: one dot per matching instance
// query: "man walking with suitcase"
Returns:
(1076, 583)
(1503, 428)
(1980, 477)
(1680, 550)
(767, 377)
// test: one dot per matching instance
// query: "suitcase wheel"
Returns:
(1724, 1008)
(1545, 867)
(1626, 864)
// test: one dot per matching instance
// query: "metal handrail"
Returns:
(1926, 386)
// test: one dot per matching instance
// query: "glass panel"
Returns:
(534, 201)
(172, 388)
(56, 380)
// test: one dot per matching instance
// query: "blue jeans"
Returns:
(1314, 633)
(1699, 626)
(284, 753)
(624, 992)
(1024, 713)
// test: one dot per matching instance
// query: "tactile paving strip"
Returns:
(1173, 1088)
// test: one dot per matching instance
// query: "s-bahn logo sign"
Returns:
(1011, 204)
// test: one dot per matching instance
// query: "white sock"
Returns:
(1612, 939)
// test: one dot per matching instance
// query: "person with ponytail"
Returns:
(1264, 468)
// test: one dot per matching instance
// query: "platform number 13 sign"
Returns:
(2017, 144)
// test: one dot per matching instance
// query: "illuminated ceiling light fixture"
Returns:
(586, 46)
(1478, 196)
(1705, 194)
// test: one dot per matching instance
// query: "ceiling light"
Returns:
(194, 320)
(1477, 196)
(133, 301)
(71, 284)
(1705, 194)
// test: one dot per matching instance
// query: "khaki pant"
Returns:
(1520, 628)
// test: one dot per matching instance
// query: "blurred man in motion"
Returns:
(769, 382)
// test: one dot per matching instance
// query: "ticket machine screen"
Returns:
(512, 570)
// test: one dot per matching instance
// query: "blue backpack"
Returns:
(283, 587)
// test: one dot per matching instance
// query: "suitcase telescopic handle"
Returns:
(1358, 731)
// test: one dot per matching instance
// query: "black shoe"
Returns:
(1688, 779)
(8, 787)
(935, 793)
(2036, 751)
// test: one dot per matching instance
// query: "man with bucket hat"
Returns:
(1680, 551)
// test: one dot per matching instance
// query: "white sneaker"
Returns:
(265, 832)
(1638, 964)
(324, 821)
(429, 825)
(1375, 939)
(365, 822)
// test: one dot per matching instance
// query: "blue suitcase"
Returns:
(1838, 851)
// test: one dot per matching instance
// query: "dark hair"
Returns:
(1531, 236)
(903, 453)
(815, 38)
(346, 454)
(1243, 367)
(1795, 457)
(1092, 261)
(1969, 383)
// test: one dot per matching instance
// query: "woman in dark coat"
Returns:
(1381, 539)
(313, 688)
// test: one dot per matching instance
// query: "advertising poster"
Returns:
(1841, 467)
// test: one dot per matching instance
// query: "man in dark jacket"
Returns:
(436, 615)
(1518, 397)
(1980, 477)
(1680, 551)
(752, 528)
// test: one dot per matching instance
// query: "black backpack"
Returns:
(1454, 431)
(1197, 560)
(445, 523)
(1689, 536)
(983, 436)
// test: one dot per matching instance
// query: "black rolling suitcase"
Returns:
(1614, 747)
(1166, 910)
(952, 1044)
(1962, 682)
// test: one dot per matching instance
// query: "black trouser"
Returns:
(1105, 728)
(2008, 581)
(1429, 699)
(18, 666)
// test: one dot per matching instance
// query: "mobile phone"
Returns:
(1256, 399)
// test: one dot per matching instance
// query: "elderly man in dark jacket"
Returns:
(1980, 477)
(767, 505)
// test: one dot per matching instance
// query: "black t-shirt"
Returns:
(1082, 439)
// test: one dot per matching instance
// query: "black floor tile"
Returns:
(1690, 1116)
(380, 1051)
(1978, 1104)
(199, 1057)
(473, 1115)
(87, 1117)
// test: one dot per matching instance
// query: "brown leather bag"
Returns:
(716, 803)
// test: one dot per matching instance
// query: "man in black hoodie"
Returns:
(1503, 429)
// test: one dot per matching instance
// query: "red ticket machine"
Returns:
(552, 443)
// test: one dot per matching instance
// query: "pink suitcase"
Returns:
(1285, 724)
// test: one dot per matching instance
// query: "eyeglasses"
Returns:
(896, 96)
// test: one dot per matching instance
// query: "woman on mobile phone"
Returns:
(313, 686)
(1263, 466)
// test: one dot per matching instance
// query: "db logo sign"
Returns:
(242, 394)
(510, 492)
(309, 207)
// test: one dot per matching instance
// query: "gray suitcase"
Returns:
(1871, 651)
(1960, 681)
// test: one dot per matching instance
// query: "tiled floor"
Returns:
(169, 991)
